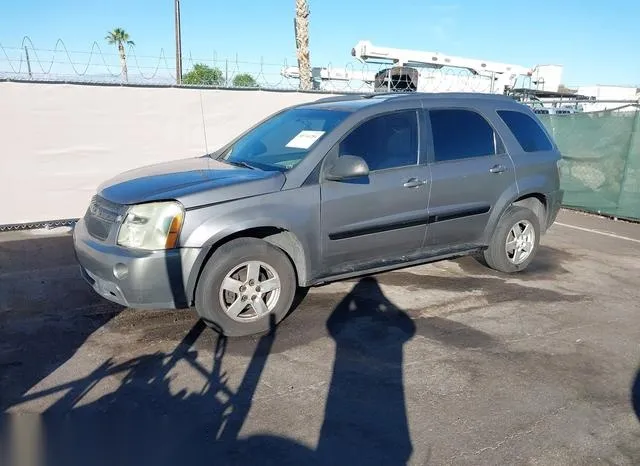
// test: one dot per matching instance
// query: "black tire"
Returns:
(496, 256)
(229, 256)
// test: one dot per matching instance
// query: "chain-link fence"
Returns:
(600, 169)
(102, 64)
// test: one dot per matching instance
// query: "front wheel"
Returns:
(245, 286)
(515, 241)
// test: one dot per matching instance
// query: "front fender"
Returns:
(295, 211)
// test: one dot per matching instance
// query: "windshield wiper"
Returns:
(240, 164)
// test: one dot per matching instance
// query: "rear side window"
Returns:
(460, 134)
(526, 130)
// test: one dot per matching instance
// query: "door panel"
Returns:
(470, 170)
(374, 218)
(463, 193)
(384, 214)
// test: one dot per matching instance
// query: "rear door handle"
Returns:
(497, 169)
(414, 183)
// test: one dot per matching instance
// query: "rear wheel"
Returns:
(245, 285)
(515, 241)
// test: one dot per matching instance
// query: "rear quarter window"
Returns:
(526, 130)
(460, 134)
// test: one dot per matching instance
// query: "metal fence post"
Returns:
(26, 52)
(625, 172)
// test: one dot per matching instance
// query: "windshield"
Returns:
(281, 142)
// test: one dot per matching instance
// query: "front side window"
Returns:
(386, 141)
(460, 134)
(281, 142)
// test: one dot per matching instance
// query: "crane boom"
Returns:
(364, 51)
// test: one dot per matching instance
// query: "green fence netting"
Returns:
(600, 168)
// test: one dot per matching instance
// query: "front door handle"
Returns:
(414, 183)
(497, 169)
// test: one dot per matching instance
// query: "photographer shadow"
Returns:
(365, 420)
(144, 421)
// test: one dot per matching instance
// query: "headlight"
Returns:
(152, 226)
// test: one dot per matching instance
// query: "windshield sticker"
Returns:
(305, 139)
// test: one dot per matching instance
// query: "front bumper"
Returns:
(138, 279)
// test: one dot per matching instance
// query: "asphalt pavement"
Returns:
(447, 363)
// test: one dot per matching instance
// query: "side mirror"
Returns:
(347, 166)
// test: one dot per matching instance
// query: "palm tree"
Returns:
(301, 23)
(120, 37)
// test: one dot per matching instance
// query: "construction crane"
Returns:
(431, 71)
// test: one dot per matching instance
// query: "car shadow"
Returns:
(144, 421)
(47, 311)
(548, 263)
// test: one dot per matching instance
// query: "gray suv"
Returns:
(324, 191)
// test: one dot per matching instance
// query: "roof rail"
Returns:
(368, 95)
(340, 98)
(457, 95)
(415, 95)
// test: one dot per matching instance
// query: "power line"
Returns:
(178, 43)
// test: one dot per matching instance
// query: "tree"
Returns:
(120, 37)
(301, 24)
(202, 74)
(244, 80)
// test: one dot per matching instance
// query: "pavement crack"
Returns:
(562, 330)
(513, 436)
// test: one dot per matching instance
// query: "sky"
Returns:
(596, 41)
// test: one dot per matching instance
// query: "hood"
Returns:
(190, 181)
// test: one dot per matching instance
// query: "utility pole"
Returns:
(178, 44)
(301, 28)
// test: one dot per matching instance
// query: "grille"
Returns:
(101, 216)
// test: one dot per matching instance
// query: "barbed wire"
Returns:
(45, 224)
(97, 65)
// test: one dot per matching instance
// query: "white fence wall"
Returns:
(59, 141)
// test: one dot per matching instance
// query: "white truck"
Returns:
(393, 69)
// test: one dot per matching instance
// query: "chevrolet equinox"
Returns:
(323, 191)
